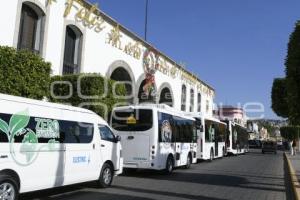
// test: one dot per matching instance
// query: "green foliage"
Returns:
(293, 75)
(279, 97)
(23, 73)
(92, 85)
(290, 132)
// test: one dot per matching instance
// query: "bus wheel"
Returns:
(9, 188)
(106, 176)
(188, 162)
(169, 165)
(211, 155)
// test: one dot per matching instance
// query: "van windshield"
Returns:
(132, 120)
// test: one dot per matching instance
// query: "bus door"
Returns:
(199, 129)
(176, 146)
(215, 136)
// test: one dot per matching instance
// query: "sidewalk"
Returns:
(293, 163)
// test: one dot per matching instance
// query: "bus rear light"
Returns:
(153, 152)
(153, 147)
(153, 157)
(152, 164)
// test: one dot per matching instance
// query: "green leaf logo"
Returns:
(18, 122)
(3, 126)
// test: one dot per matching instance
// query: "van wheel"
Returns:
(169, 165)
(106, 176)
(211, 155)
(188, 162)
(9, 188)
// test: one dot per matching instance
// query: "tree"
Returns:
(96, 93)
(279, 97)
(292, 64)
(290, 132)
(23, 73)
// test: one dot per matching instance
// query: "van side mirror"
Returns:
(118, 138)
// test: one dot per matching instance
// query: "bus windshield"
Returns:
(132, 120)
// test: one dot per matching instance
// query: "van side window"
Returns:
(75, 132)
(106, 134)
(48, 130)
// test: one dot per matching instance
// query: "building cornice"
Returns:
(130, 33)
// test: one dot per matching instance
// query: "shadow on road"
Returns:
(169, 194)
(85, 195)
(75, 193)
(209, 179)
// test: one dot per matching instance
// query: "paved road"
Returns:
(252, 176)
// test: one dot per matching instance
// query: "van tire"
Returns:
(8, 181)
(169, 165)
(106, 176)
(188, 162)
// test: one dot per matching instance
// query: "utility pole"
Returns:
(146, 20)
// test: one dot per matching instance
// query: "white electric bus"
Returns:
(155, 137)
(45, 145)
(237, 138)
(211, 134)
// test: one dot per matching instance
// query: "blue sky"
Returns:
(236, 46)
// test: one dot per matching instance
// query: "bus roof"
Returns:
(200, 115)
(158, 107)
(235, 123)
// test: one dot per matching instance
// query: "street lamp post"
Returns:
(146, 20)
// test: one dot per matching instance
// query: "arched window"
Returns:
(72, 55)
(192, 100)
(31, 28)
(145, 97)
(199, 100)
(166, 97)
(207, 106)
(120, 74)
(183, 98)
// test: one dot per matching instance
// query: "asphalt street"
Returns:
(252, 176)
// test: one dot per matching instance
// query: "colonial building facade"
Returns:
(77, 37)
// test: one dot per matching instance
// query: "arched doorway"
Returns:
(166, 97)
(146, 96)
(121, 74)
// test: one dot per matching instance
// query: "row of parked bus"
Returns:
(160, 138)
(45, 145)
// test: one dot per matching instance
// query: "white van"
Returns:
(45, 145)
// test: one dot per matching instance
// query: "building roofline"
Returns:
(138, 38)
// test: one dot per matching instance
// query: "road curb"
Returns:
(293, 177)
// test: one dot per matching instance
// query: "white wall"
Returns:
(97, 55)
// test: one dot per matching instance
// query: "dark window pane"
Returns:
(45, 130)
(106, 134)
(132, 120)
(28, 28)
(72, 51)
(183, 98)
(165, 129)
